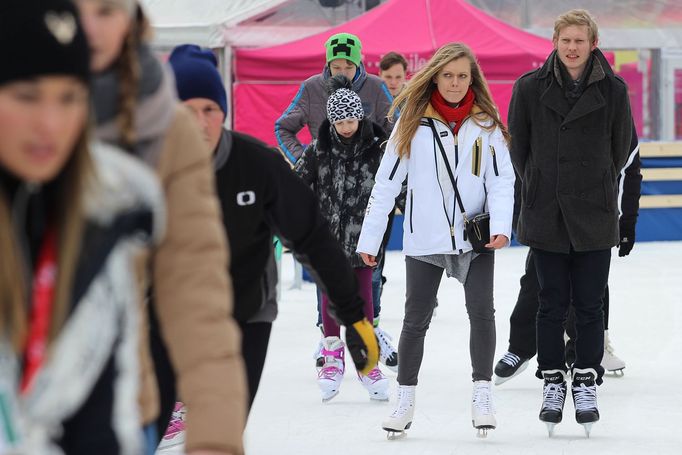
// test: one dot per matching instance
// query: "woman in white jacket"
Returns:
(449, 128)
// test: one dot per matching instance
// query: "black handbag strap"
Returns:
(453, 180)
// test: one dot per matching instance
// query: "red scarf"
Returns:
(41, 312)
(453, 115)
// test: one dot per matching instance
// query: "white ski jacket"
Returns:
(433, 221)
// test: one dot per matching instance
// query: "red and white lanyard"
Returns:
(44, 283)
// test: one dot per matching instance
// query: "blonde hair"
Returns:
(576, 17)
(414, 99)
(69, 222)
(129, 75)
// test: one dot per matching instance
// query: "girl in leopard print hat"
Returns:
(340, 166)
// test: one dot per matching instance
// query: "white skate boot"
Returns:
(611, 362)
(331, 374)
(376, 384)
(387, 353)
(482, 408)
(401, 418)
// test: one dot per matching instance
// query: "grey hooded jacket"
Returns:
(309, 108)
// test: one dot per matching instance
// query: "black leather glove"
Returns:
(362, 345)
(627, 237)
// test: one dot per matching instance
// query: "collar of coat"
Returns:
(481, 117)
(370, 133)
(600, 70)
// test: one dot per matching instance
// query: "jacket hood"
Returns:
(358, 80)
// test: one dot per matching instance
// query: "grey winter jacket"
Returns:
(309, 108)
(569, 158)
(342, 176)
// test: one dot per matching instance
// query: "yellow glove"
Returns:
(362, 345)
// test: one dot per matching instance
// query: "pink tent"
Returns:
(267, 79)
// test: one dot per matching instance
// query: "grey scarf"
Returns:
(154, 111)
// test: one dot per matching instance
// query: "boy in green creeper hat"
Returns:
(343, 52)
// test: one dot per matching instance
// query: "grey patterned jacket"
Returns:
(342, 176)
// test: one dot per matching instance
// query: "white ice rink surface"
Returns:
(641, 412)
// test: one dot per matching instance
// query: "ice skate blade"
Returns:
(328, 398)
(588, 428)
(550, 428)
(499, 380)
(483, 432)
(379, 399)
(619, 373)
(393, 434)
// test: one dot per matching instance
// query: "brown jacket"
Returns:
(193, 297)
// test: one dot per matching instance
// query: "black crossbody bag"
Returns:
(477, 228)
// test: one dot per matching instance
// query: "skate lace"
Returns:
(385, 347)
(375, 374)
(177, 423)
(329, 371)
(585, 397)
(553, 397)
(403, 406)
(511, 359)
(607, 347)
(482, 399)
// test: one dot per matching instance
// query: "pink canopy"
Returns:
(267, 79)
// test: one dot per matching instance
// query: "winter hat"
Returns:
(196, 75)
(344, 45)
(39, 38)
(343, 103)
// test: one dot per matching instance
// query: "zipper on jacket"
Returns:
(456, 152)
(411, 210)
(492, 150)
(395, 168)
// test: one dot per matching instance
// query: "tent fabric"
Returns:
(201, 22)
(267, 78)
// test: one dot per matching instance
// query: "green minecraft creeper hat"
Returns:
(344, 45)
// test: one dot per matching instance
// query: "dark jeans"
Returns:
(522, 322)
(580, 278)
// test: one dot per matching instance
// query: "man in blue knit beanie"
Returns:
(201, 88)
(260, 196)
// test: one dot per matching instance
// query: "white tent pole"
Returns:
(227, 80)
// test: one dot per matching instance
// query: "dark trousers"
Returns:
(580, 278)
(522, 336)
(255, 340)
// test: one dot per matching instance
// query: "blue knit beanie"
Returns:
(196, 75)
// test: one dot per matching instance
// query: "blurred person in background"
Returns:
(191, 299)
(393, 70)
(75, 216)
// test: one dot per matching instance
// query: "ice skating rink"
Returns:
(641, 412)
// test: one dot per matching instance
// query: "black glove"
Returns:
(627, 238)
(362, 345)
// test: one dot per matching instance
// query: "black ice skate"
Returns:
(584, 389)
(509, 366)
(553, 397)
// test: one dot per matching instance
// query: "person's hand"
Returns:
(362, 345)
(497, 242)
(368, 259)
(627, 238)
(208, 452)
